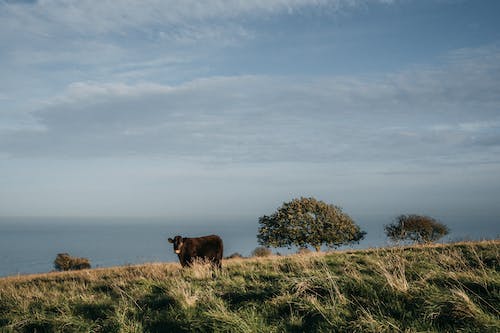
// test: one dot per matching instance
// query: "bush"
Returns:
(235, 255)
(416, 228)
(65, 262)
(261, 251)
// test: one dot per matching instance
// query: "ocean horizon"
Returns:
(30, 244)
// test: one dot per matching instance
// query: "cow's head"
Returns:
(178, 242)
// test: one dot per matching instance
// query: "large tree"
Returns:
(416, 228)
(307, 221)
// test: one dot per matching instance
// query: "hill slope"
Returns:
(433, 288)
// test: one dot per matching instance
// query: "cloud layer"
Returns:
(107, 16)
(446, 113)
(204, 107)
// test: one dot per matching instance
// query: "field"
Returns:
(440, 288)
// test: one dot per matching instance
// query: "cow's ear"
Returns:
(170, 240)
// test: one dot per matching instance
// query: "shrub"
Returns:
(261, 251)
(234, 256)
(417, 228)
(65, 262)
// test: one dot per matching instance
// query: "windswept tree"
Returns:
(65, 262)
(417, 228)
(307, 221)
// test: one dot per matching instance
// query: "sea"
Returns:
(30, 245)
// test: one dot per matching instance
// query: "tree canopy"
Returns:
(416, 228)
(307, 221)
(65, 262)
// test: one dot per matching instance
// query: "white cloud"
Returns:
(71, 52)
(422, 112)
(90, 16)
(50, 43)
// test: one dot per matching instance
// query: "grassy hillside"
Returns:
(432, 288)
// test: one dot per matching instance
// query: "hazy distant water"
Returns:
(30, 245)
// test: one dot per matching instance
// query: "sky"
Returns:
(226, 109)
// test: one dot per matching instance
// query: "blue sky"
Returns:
(226, 109)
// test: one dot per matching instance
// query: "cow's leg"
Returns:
(185, 261)
(189, 262)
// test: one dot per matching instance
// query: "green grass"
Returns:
(442, 288)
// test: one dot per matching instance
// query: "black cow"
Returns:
(208, 248)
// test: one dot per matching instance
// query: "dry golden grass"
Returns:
(393, 269)
(428, 288)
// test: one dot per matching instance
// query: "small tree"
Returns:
(307, 221)
(416, 228)
(261, 251)
(65, 262)
(235, 255)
